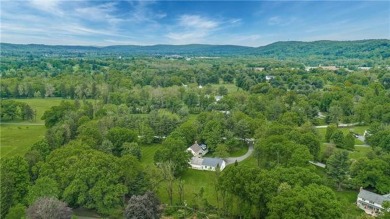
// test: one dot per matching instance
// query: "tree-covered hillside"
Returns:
(361, 49)
(377, 51)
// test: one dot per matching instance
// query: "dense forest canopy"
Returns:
(121, 102)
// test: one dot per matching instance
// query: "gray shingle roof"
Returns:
(212, 162)
(373, 197)
(196, 161)
(196, 148)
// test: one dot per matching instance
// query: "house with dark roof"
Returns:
(207, 163)
(198, 150)
(371, 202)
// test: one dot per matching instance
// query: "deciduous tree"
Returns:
(49, 208)
(145, 206)
(338, 167)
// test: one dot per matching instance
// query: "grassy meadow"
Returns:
(357, 129)
(16, 137)
(39, 106)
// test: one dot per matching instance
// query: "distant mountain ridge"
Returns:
(359, 49)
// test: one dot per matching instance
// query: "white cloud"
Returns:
(192, 29)
(186, 37)
(197, 22)
(49, 6)
(280, 21)
(142, 12)
(276, 20)
(102, 12)
(235, 21)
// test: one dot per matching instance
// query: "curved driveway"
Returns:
(232, 160)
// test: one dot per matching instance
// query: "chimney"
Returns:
(196, 142)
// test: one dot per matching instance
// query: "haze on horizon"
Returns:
(248, 23)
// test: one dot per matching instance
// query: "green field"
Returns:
(230, 87)
(359, 152)
(148, 152)
(41, 105)
(357, 129)
(17, 139)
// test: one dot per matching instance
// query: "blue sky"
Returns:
(249, 23)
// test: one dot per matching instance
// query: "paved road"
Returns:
(232, 160)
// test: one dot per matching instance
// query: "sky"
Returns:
(247, 23)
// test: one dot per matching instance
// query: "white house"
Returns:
(218, 98)
(371, 202)
(196, 163)
(269, 77)
(198, 150)
(207, 163)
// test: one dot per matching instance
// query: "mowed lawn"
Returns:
(357, 129)
(41, 105)
(148, 151)
(194, 180)
(17, 139)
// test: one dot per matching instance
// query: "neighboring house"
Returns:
(198, 150)
(258, 69)
(371, 202)
(226, 112)
(269, 77)
(218, 98)
(330, 67)
(364, 68)
(207, 163)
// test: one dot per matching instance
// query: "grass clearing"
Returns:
(41, 105)
(194, 181)
(17, 140)
(230, 87)
(148, 152)
(347, 198)
(359, 152)
(357, 129)
(237, 152)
